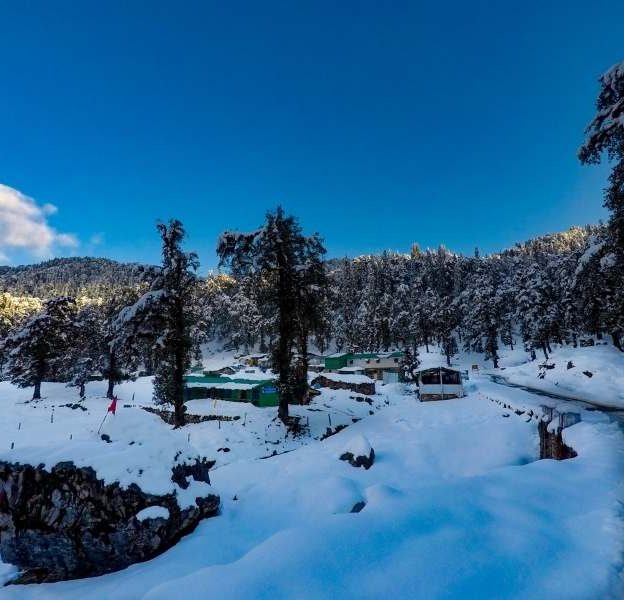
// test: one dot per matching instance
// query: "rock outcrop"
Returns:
(66, 523)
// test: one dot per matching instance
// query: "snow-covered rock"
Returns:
(67, 523)
(358, 452)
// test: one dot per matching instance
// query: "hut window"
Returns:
(226, 394)
(396, 360)
(430, 377)
(255, 394)
(451, 377)
(243, 395)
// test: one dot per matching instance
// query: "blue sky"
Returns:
(377, 123)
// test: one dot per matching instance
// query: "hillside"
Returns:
(72, 276)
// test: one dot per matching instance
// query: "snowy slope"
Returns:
(604, 362)
(455, 507)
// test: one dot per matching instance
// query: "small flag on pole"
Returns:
(111, 409)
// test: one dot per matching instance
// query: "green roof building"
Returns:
(259, 392)
(372, 363)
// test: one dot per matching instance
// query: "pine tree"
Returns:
(605, 135)
(408, 368)
(116, 358)
(164, 320)
(36, 350)
(482, 312)
(81, 358)
(284, 258)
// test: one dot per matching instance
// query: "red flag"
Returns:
(113, 405)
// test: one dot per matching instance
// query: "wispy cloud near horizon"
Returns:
(24, 227)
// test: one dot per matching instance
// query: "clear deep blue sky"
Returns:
(377, 123)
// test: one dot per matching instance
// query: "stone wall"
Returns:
(368, 389)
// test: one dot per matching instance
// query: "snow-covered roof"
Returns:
(438, 368)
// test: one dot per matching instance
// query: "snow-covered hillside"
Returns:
(455, 505)
(595, 373)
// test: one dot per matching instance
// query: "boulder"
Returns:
(359, 453)
(66, 523)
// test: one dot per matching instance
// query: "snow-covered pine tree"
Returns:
(534, 306)
(408, 368)
(426, 312)
(482, 311)
(164, 320)
(312, 289)
(281, 254)
(81, 358)
(116, 358)
(605, 135)
(36, 350)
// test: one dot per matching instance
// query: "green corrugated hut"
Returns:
(337, 361)
(258, 392)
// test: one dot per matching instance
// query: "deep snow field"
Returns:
(456, 504)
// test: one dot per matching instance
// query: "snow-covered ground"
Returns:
(456, 506)
(595, 373)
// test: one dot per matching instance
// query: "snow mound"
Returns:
(358, 446)
(330, 496)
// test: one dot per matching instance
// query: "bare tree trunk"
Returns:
(178, 370)
(111, 375)
(37, 390)
(284, 345)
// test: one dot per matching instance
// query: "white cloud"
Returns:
(49, 209)
(24, 226)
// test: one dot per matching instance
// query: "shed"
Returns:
(260, 392)
(440, 383)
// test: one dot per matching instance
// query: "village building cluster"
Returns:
(249, 379)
